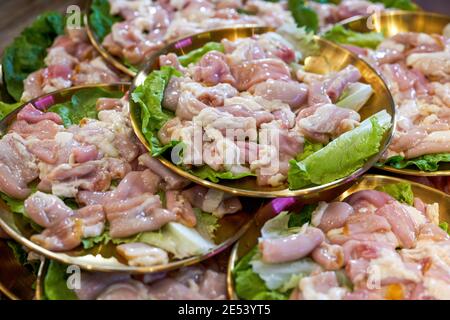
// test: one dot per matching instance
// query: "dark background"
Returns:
(16, 14)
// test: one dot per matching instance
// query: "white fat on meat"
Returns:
(318, 213)
(389, 264)
(432, 212)
(435, 65)
(97, 133)
(142, 255)
(323, 286)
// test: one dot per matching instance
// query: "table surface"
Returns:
(15, 15)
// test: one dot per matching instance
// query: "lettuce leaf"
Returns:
(301, 39)
(278, 275)
(308, 149)
(55, 283)
(105, 238)
(342, 156)
(207, 173)
(401, 191)
(7, 108)
(82, 105)
(249, 285)
(101, 20)
(303, 16)
(27, 52)
(304, 216)
(428, 162)
(178, 239)
(342, 35)
(355, 96)
(207, 224)
(444, 226)
(407, 5)
(149, 97)
(195, 55)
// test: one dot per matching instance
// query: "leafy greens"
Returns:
(27, 52)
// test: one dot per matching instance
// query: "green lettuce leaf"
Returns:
(342, 156)
(401, 191)
(27, 52)
(149, 97)
(303, 16)
(101, 20)
(55, 283)
(444, 226)
(105, 238)
(342, 35)
(207, 173)
(82, 105)
(207, 224)
(7, 108)
(308, 149)
(195, 55)
(428, 162)
(304, 216)
(249, 285)
(407, 5)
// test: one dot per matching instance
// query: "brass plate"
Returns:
(390, 24)
(114, 60)
(16, 281)
(332, 58)
(230, 229)
(96, 43)
(249, 240)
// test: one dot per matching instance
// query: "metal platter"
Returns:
(331, 58)
(249, 240)
(391, 23)
(104, 258)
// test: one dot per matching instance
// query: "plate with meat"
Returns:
(410, 51)
(384, 238)
(202, 281)
(78, 187)
(126, 32)
(47, 56)
(261, 113)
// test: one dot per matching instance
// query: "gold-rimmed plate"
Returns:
(97, 44)
(331, 57)
(104, 258)
(367, 182)
(391, 23)
(115, 61)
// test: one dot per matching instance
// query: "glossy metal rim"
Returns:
(368, 177)
(98, 46)
(271, 193)
(399, 13)
(393, 12)
(72, 260)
